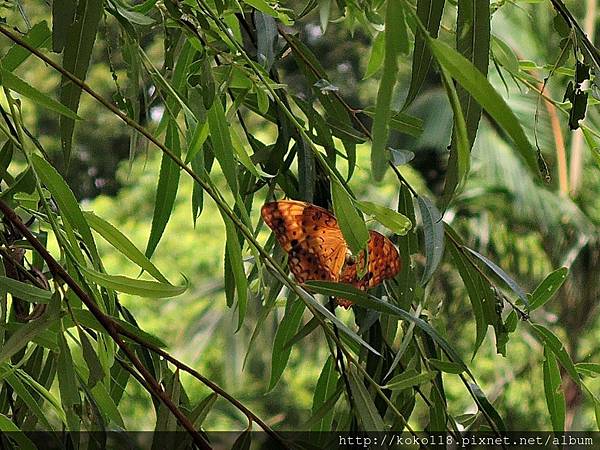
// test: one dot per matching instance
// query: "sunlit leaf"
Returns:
(66, 201)
(20, 86)
(133, 286)
(24, 291)
(350, 221)
(166, 190)
(389, 218)
(119, 241)
(548, 288)
(470, 78)
(37, 37)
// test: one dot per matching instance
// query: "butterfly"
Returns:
(317, 249)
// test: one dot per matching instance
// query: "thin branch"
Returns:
(220, 202)
(105, 321)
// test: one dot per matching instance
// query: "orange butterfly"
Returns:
(317, 249)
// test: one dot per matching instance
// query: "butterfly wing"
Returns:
(384, 263)
(311, 236)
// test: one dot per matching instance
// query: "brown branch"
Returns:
(105, 321)
(119, 330)
(211, 384)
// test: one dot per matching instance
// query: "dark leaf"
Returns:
(78, 45)
(430, 13)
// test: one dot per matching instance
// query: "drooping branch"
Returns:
(107, 323)
(115, 330)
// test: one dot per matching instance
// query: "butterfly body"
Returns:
(317, 249)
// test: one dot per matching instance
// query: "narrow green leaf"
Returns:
(24, 291)
(25, 334)
(222, 146)
(376, 57)
(548, 288)
(460, 153)
(307, 329)
(166, 423)
(132, 15)
(233, 252)
(63, 13)
(555, 399)
(470, 78)
(20, 86)
(243, 441)
(401, 122)
(325, 409)
(120, 242)
(446, 366)
(133, 286)
(409, 379)
(287, 328)
(107, 405)
(473, 42)
(389, 218)
(166, 191)
(433, 233)
(342, 327)
(430, 14)
(25, 393)
(66, 201)
(324, 12)
(484, 405)
(37, 37)
(306, 171)
(87, 319)
(365, 408)
(262, 6)
(407, 245)
(6, 156)
(68, 385)
(395, 35)
(96, 371)
(350, 221)
(197, 193)
(202, 409)
(478, 294)
(367, 301)
(13, 432)
(326, 386)
(407, 338)
(266, 37)
(46, 338)
(78, 45)
(512, 284)
(588, 369)
(550, 340)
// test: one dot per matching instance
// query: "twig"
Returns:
(105, 321)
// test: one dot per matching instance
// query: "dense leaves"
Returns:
(236, 104)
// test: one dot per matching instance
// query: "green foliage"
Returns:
(89, 327)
